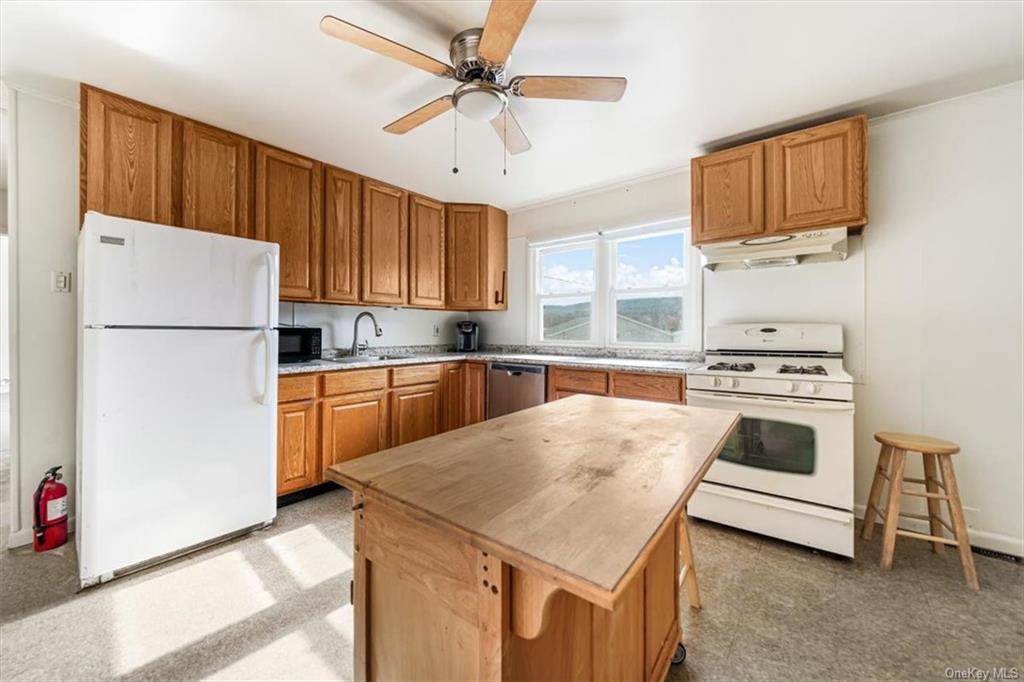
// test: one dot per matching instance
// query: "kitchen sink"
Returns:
(369, 358)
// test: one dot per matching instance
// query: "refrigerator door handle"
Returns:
(268, 372)
(271, 287)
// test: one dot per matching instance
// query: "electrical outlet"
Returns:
(60, 282)
(437, 330)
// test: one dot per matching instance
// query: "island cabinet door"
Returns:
(453, 385)
(475, 393)
(415, 413)
(288, 212)
(353, 426)
(385, 244)
(297, 451)
(216, 176)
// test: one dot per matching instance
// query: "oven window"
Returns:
(773, 445)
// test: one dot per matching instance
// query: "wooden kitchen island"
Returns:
(539, 545)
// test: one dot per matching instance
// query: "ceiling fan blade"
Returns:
(590, 88)
(351, 33)
(509, 130)
(420, 116)
(505, 20)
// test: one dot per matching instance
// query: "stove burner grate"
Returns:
(732, 367)
(817, 370)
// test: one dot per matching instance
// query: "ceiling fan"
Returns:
(479, 59)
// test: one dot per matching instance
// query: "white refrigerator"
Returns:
(177, 391)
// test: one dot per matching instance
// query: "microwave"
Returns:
(298, 344)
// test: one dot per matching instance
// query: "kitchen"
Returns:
(926, 309)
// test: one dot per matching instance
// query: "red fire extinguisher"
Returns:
(50, 505)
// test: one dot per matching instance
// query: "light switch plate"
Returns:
(60, 282)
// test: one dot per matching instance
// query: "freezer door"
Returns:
(138, 274)
(177, 441)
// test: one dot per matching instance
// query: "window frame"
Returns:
(604, 317)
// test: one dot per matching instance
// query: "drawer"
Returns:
(416, 374)
(580, 380)
(355, 381)
(301, 387)
(659, 387)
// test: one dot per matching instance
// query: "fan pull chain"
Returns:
(504, 146)
(455, 139)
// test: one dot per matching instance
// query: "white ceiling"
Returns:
(699, 74)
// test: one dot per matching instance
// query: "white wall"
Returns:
(401, 326)
(931, 298)
(43, 205)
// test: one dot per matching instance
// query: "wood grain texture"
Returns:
(496, 263)
(568, 380)
(453, 388)
(642, 386)
(342, 223)
(504, 23)
(475, 392)
(302, 387)
(416, 118)
(817, 177)
(426, 252)
(360, 593)
(415, 374)
(916, 442)
(351, 33)
(355, 381)
(466, 254)
(415, 413)
(288, 212)
(353, 426)
(493, 594)
(297, 452)
(553, 482)
(727, 194)
(530, 604)
(589, 88)
(661, 597)
(128, 157)
(385, 244)
(216, 180)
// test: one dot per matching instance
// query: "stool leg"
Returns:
(870, 513)
(892, 507)
(686, 552)
(956, 513)
(931, 475)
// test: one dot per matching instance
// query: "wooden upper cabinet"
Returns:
(127, 158)
(727, 194)
(385, 244)
(426, 252)
(288, 207)
(216, 176)
(477, 257)
(818, 177)
(342, 220)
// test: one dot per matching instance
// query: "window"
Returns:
(635, 287)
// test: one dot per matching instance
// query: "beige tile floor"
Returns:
(274, 605)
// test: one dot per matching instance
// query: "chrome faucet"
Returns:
(359, 347)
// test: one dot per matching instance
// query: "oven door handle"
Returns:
(737, 400)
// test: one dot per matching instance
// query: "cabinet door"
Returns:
(216, 174)
(342, 218)
(642, 386)
(466, 249)
(426, 252)
(296, 446)
(353, 426)
(818, 177)
(415, 413)
(385, 244)
(497, 259)
(727, 194)
(288, 212)
(453, 385)
(476, 393)
(127, 158)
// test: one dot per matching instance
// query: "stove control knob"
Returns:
(812, 388)
(716, 382)
(789, 387)
(734, 383)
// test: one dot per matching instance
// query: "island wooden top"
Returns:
(575, 490)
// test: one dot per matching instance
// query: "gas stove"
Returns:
(788, 470)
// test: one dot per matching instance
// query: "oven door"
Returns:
(791, 447)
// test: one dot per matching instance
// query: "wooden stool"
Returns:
(687, 572)
(937, 458)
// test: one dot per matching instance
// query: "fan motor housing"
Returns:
(466, 62)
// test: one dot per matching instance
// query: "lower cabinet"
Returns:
(566, 381)
(453, 382)
(297, 446)
(475, 406)
(415, 413)
(353, 426)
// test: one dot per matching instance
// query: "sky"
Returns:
(653, 262)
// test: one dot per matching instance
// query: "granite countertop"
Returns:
(582, 361)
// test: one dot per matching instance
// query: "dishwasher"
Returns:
(514, 387)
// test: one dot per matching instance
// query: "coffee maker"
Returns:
(468, 336)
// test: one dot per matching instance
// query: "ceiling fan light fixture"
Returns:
(479, 100)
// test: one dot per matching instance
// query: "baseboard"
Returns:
(996, 542)
(20, 538)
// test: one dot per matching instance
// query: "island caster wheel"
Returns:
(680, 655)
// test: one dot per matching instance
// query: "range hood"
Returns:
(775, 250)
